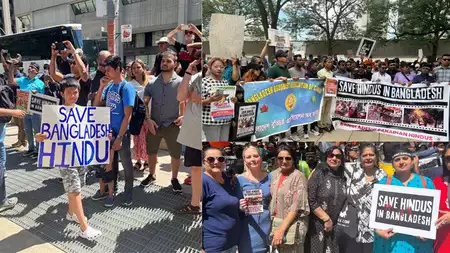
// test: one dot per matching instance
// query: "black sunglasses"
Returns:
(338, 156)
(211, 159)
(287, 158)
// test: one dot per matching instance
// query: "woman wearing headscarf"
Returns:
(360, 181)
(289, 205)
(253, 190)
(221, 218)
(326, 196)
(385, 239)
(442, 243)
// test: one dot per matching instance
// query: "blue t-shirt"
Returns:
(222, 223)
(26, 84)
(117, 103)
(401, 243)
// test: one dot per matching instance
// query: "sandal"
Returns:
(145, 167)
(137, 166)
(188, 209)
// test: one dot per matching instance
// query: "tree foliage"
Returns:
(324, 19)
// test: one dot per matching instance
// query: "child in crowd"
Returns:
(73, 177)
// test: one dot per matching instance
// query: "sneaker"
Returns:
(109, 202)
(128, 200)
(176, 187)
(99, 196)
(188, 209)
(9, 204)
(314, 132)
(34, 155)
(306, 136)
(17, 144)
(73, 218)
(28, 153)
(90, 233)
(188, 180)
(146, 182)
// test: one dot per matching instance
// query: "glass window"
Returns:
(83, 7)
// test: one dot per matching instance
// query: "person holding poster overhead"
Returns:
(289, 205)
(253, 191)
(385, 239)
(326, 196)
(73, 177)
(442, 243)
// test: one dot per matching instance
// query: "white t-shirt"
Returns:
(377, 77)
(244, 61)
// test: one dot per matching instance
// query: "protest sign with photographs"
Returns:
(223, 109)
(246, 114)
(284, 105)
(366, 47)
(254, 199)
(226, 35)
(411, 211)
(76, 136)
(419, 112)
(279, 39)
(36, 101)
(22, 100)
(330, 87)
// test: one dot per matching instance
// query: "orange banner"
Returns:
(111, 36)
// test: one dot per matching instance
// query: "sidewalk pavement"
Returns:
(149, 225)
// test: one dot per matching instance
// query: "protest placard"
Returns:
(254, 199)
(279, 39)
(36, 101)
(22, 100)
(246, 115)
(366, 47)
(284, 105)
(76, 136)
(419, 112)
(411, 211)
(226, 35)
(330, 87)
(223, 109)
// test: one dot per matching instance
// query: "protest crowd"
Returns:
(240, 70)
(146, 106)
(307, 197)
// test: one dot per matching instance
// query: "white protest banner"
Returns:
(76, 136)
(254, 199)
(279, 39)
(366, 47)
(419, 112)
(36, 101)
(126, 33)
(223, 109)
(226, 35)
(411, 211)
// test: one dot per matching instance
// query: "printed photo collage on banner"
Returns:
(310, 135)
(225, 126)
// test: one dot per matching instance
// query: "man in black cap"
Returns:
(424, 76)
(279, 70)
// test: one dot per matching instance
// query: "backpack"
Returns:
(138, 114)
(7, 101)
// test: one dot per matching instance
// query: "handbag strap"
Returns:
(406, 77)
(389, 180)
(424, 183)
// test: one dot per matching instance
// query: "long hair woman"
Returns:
(139, 80)
(253, 190)
(289, 205)
(385, 239)
(442, 243)
(326, 196)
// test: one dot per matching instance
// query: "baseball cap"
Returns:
(163, 40)
(280, 53)
(35, 65)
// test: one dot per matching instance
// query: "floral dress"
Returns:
(326, 189)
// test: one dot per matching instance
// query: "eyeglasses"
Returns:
(287, 158)
(338, 156)
(211, 159)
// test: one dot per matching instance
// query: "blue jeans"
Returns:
(32, 127)
(2, 163)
